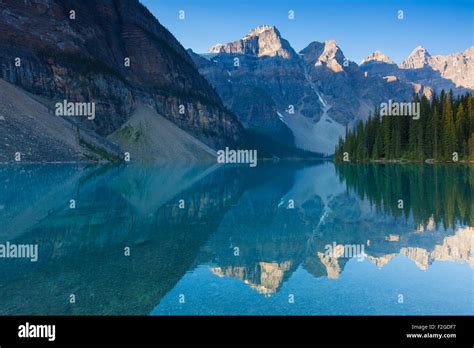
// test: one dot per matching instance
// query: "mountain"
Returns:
(350, 94)
(417, 59)
(454, 71)
(427, 73)
(376, 57)
(85, 59)
(305, 98)
(263, 41)
(255, 90)
(261, 79)
(324, 55)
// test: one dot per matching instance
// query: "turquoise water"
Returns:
(247, 241)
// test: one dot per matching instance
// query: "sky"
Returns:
(359, 26)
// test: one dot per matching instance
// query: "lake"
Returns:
(287, 238)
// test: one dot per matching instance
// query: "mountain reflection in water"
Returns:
(236, 247)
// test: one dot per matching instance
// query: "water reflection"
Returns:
(238, 240)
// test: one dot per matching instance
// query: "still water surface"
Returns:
(206, 240)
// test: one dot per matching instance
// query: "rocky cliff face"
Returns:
(454, 71)
(326, 54)
(265, 277)
(417, 59)
(350, 92)
(83, 56)
(263, 41)
(455, 248)
(425, 72)
(377, 56)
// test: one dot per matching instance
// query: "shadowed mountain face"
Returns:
(113, 53)
(256, 230)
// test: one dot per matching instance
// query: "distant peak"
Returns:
(419, 51)
(418, 58)
(264, 40)
(261, 29)
(419, 48)
(377, 56)
(326, 54)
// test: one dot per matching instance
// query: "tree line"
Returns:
(443, 132)
(441, 193)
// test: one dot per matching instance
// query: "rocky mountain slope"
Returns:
(427, 73)
(29, 133)
(314, 93)
(113, 53)
(260, 77)
(155, 139)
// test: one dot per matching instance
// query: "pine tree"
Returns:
(449, 136)
(459, 130)
(446, 125)
(386, 137)
(377, 148)
(435, 131)
(426, 140)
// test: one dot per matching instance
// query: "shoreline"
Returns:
(402, 161)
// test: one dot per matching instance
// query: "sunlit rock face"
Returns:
(419, 255)
(456, 67)
(438, 72)
(428, 70)
(382, 260)
(456, 248)
(377, 56)
(425, 72)
(332, 265)
(265, 277)
(326, 54)
(262, 41)
(423, 90)
(417, 59)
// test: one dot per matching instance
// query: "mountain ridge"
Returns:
(341, 91)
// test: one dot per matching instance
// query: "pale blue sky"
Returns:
(359, 26)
